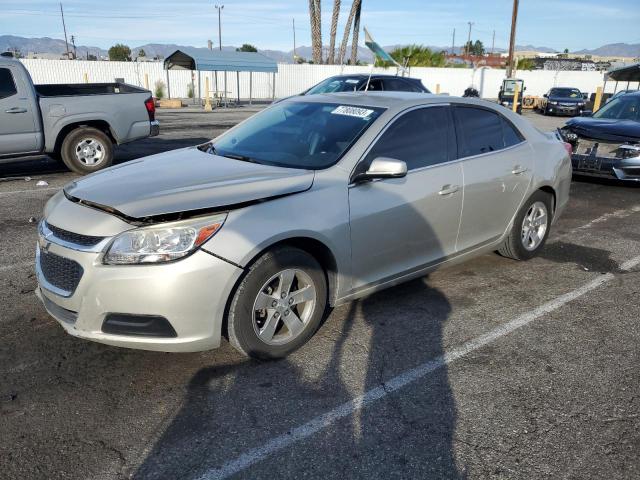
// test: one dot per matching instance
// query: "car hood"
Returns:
(185, 180)
(605, 129)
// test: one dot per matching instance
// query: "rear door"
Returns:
(404, 224)
(17, 118)
(497, 163)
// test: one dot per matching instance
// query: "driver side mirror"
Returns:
(382, 167)
(586, 113)
(545, 95)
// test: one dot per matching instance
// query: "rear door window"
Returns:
(7, 85)
(375, 85)
(399, 85)
(478, 130)
(420, 138)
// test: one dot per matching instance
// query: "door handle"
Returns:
(16, 110)
(517, 170)
(448, 190)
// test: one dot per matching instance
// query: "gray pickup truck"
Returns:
(77, 124)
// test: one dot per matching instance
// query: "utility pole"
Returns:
(295, 55)
(219, 8)
(453, 42)
(73, 42)
(64, 27)
(512, 39)
(468, 49)
(493, 42)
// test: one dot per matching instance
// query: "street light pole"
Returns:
(512, 39)
(219, 8)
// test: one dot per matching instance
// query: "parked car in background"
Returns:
(562, 101)
(360, 82)
(607, 143)
(315, 201)
(77, 124)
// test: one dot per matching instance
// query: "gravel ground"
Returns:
(547, 392)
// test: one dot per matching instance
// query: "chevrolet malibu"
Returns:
(313, 202)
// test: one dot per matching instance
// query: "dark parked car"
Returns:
(562, 100)
(358, 82)
(607, 143)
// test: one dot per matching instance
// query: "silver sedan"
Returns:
(313, 202)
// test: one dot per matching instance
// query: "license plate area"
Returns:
(590, 163)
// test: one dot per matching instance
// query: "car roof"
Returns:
(374, 75)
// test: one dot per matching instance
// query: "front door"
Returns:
(17, 121)
(404, 224)
(497, 165)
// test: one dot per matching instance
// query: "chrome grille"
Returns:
(76, 238)
(61, 272)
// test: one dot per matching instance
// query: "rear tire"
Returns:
(87, 150)
(278, 305)
(530, 228)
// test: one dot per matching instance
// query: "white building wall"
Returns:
(292, 79)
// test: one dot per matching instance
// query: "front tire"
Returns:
(530, 228)
(278, 305)
(87, 150)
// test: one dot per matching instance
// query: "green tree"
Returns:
(246, 47)
(566, 50)
(120, 53)
(92, 57)
(415, 56)
(474, 48)
(159, 90)
(526, 64)
(142, 53)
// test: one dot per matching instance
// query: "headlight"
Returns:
(553, 102)
(163, 242)
(628, 151)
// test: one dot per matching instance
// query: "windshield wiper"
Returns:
(242, 158)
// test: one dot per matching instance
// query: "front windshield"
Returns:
(566, 92)
(305, 135)
(332, 85)
(626, 107)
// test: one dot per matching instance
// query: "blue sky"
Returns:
(559, 24)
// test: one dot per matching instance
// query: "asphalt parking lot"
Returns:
(489, 369)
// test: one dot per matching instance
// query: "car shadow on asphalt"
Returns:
(230, 409)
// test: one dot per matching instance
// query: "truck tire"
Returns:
(86, 150)
(530, 228)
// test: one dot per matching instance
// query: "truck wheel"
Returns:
(86, 150)
(278, 305)
(530, 228)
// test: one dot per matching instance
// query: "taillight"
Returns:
(568, 147)
(151, 108)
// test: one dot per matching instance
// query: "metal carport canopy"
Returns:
(203, 59)
(629, 73)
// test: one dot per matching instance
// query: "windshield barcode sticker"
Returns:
(352, 111)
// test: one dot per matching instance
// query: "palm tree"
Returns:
(356, 31)
(316, 30)
(334, 30)
(347, 31)
(417, 56)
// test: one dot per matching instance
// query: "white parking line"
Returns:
(313, 426)
(33, 190)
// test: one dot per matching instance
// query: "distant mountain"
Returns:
(615, 50)
(57, 46)
(44, 45)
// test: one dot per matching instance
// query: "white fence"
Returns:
(292, 79)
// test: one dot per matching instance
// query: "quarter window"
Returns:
(419, 138)
(511, 135)
(7, 85)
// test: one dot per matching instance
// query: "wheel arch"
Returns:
(551, 191)
(101, 125)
